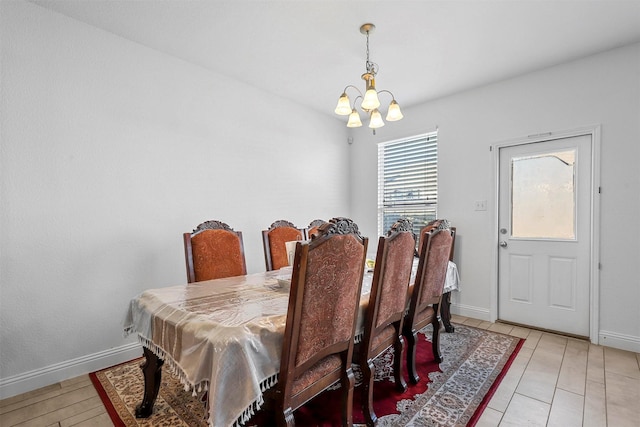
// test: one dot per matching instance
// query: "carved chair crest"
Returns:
(340, 225)
(281, 223)
(402, 224)
(317, 223)
(443, 224)
(211, 225)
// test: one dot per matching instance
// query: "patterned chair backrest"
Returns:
(432, 270)
(392, 274)
(385, 312)
(427, 291)
(430, 226)
(213, 251)
(273, 240)
(323, 308)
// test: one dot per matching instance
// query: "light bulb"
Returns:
(344, 106)
(354, 119)
(370, 101)
(394, 113)
(376, 120)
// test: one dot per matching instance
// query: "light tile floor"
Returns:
(561, 381)
(554, 381)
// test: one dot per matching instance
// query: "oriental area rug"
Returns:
(452, 393)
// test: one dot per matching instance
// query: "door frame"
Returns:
(594, 228)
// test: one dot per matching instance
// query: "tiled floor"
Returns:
(554, 381)
(560, 381)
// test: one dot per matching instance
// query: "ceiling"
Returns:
(308, 51)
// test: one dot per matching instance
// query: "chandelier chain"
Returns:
(371, 67)
(368, 63)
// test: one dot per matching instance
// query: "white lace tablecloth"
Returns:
(452, 280)
(223, 335)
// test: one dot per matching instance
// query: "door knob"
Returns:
(503, 244)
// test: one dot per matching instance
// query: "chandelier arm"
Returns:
(352, 86)
(387, 91)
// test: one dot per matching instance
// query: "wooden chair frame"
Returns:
(396, 252)
(286, 402)
(445, 304)
(418, 305)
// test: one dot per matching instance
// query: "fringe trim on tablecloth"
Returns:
(256, 405)
(203, 385)
(175, 369)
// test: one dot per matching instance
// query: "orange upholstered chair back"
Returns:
(313, 227)
(213, 251)
(273, 240)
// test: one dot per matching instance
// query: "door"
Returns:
(544, 234)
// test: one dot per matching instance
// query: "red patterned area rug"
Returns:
(453, 393)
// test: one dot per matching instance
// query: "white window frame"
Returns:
(416, 159)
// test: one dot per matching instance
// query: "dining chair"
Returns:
(430, 226)
(273, 241)
(385, 311)
(445, 304)
(322, 314)
(313, 227)
(213, 250)
(427, 292)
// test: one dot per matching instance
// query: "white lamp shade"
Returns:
(354, 119)
(394, 113)
(370, 101)
(376, 120)
(344, 106)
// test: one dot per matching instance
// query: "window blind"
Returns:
(408, 181)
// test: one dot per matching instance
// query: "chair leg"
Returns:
(367, 393)
(412, 341)
(398, 347)
(285, 418)
(445, 311)
(435, 340)
(347, 382)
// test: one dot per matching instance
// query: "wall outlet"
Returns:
(481, 205)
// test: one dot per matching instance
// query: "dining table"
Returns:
(222, 338)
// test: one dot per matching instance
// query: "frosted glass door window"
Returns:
(543, 195)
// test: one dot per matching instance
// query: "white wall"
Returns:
(600, 90)
(109, 152)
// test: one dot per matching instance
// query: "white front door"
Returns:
(544, 233)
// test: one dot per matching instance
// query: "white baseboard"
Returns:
(52, 374)
(605, 338)
(470, 311)
(621, 341)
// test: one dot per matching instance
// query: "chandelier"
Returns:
(370, 100)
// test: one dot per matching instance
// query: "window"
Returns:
(408, 181)
(543, 195)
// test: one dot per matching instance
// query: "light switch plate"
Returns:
(481, 205)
